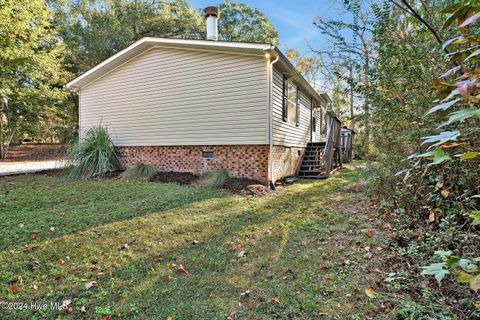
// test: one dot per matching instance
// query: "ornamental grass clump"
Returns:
(215, 179)
(140, 172)
(93, 156)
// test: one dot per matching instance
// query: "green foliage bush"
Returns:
(92, 157)
(426, 178)
(140, 171)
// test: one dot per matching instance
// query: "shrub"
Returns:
(215, 179)
(93, 156)
(140, 171)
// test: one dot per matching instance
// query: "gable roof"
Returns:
(146, 43)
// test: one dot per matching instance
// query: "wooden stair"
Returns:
(322, 158)
(313, 165)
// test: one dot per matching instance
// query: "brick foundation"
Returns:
(285, 161)
(249, 161)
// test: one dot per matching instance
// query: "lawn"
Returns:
(156, 251)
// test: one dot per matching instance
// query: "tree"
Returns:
(350, 53)
(31, 74)
(95, 30)
(239, 22)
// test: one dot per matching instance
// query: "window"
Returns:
(320, 113)
(314, 124)
(207, 155)
(290, 101)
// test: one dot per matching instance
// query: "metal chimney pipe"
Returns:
(212, 14)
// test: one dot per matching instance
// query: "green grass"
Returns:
(288, 239)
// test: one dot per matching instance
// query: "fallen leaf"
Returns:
(477, 305)
(182, 271)
(368, 256)
(475, 283)
(251, 304)
(61, 214)
(276, 299)
(448, 145)
(230, 244)
(439, 184)
(445, 193)
(431, 217)
(369, 233)
(91, 284)
(377, 270)
(34, 264)
(233, 316)
(370, 293)
(324, 266)
(21, 225)
(240, 245)
(245, 294)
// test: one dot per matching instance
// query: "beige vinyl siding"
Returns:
(317, 136)
(285, 133)
(171, 96)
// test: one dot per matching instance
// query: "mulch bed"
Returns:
(241, 186)
(183, 178)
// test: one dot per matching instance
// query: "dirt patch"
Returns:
(245, 187)
(255, 190)
(36, 151)
(183, 178)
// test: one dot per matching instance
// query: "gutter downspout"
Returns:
(270, 113)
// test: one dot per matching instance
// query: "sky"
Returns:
(292, 18)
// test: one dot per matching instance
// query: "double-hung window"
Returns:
(290, 101)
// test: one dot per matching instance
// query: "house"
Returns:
(198, 105)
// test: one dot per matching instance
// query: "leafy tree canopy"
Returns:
(239, 22)
(31, 73)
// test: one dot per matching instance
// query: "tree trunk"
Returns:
(352, 115)
(366, 79)
(2, 154)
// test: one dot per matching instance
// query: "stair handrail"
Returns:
(328, 151)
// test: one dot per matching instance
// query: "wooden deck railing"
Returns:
(332, 154)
